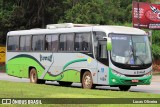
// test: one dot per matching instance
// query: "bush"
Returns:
(156, 51)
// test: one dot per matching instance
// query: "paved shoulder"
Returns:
(156, 78)
(4, 76)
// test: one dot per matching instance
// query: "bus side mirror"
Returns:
(109, 44)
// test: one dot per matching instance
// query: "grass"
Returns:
(28, 90)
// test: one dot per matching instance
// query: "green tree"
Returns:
(156, 44)
(27, 14)
(98, 11)
(84, 12)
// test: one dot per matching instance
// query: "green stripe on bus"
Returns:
(19, 66)
(68, 75)
(73, 61)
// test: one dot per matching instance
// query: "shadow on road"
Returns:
(78, 85)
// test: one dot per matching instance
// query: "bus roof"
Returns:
(105, 28)
(120, 30)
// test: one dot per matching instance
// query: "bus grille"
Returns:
(134, 75)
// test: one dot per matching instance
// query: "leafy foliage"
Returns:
(156, 44)
(89, 12)
(26, 14)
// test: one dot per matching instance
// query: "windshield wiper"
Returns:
(130, 55)
(137, 57)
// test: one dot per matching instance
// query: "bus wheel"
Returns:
(124, 87)
(87, 81)
(33, 76)
(62, 83)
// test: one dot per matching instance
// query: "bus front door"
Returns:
(102, 58)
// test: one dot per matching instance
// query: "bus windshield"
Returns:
(130, 49)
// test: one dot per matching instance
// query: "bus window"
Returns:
(48, 42)
(66, 42)
(82, 41)
(13, 43)
(70, 42)
(22, 43)
(54, 43)
(62, 41)
(51, 42)
(25, 42)
(99, 45)
(28, 43)
(102, 49)
(38, 43)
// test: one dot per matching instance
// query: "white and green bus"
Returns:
(93, 55)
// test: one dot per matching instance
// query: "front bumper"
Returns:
(123, 80)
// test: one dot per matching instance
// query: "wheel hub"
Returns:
(87, 81)
(33, 77)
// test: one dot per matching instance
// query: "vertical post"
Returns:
(138, 15)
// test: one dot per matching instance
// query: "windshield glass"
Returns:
(130, 49)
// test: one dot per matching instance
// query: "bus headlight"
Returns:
(117, 73)
(113, 80)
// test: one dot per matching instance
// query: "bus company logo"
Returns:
(6, 101)
(46, 58)
(153, 16)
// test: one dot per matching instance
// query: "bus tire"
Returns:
(124, 87)
(34, 77)
(62, 83)
(87, 81)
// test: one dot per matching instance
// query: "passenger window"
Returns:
(38, 43)
(48, 42)
(51, 43)
(22, 43)
(25, 43)
(55, 43)
(13, 43)
(62, 41)
(28, 43)
(70, 42)
(66, 42)
(82, 42)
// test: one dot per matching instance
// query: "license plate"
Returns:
(135, 80)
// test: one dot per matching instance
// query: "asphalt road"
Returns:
(153, 88)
